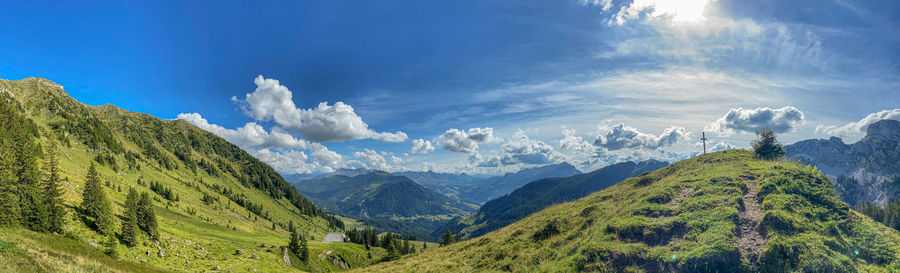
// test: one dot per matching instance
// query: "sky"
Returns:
(482, 87)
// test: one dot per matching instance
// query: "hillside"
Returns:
(696, 215)
(498, 186)
(867, 170)
(210, 197)
(542, 193)
(384, 201)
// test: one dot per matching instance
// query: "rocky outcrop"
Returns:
(863, 171)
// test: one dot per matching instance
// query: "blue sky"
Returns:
(472, 86)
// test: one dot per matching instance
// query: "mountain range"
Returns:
(867, 170)
(539, 194)
(384, 201)
(211, 198)
(720, 212)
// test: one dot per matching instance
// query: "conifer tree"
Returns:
(424, 246)
(392, 253)
(447, 239)
(92, 191)
(130, 224)
(109, 246)
(147, 217)
(304, 249)
(95, 203)
(766, 146)
(10, 128)
(34, 209)
(53, 194)
(403, 247)
(294, 240)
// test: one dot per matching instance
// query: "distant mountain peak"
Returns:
(886, 129)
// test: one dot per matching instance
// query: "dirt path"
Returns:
(751, 240)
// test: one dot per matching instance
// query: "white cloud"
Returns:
(456, 140)
(622, 136)
(421, 146)
(371, 159)
(676, 11)
(272, 101)
(325, 157)
(781, 120)
(522, 149)
(519, 150)
(290, 161)
(855, 128)
(572, 142)
(250, 137)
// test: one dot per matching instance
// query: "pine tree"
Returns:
(130, 224)
(91, 202)
(53, 194)
(147, 217)
(424, 246)
(304, 249)
(294, 240)
(766, 146)
(392, 253)
(447, 239)
(34, 209)
(109, 246)
(456, 237)
(10, 128)
(95, 203)
(274, 228)
(406, 247)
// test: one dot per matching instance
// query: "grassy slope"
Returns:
(682, 218)
(220, 228)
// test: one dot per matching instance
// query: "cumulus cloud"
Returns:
(858, 127)
(250, 137)
(272, 101)
(277, 148)
(519, 150)
(622, 136)
(372, 160)
(522, 149)
(290, 161)
(572, 142)
(421, 146)
(459, 141)
(781, 120)
(326, 158)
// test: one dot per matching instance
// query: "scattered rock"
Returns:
(287, 259)
(254, 256)
(238, 252)
(162, 253)
(215, 267)
(93, 244)
(143, 260)
(263, 245)
(148, 252)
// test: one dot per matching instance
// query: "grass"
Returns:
(194, 236)
(26, 251)
(644, 224)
